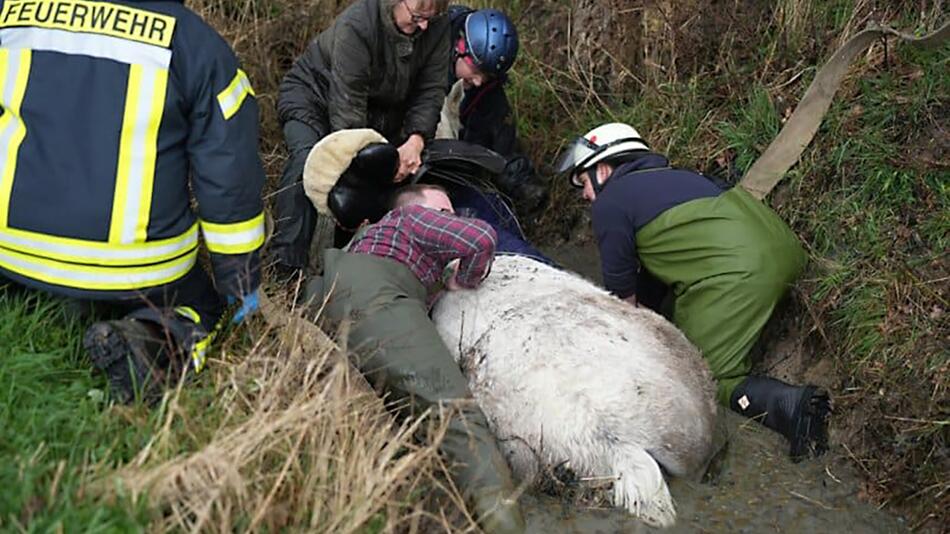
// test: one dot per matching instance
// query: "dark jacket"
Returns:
(636, 193)
(362, 72)
(127, 128)
(486, 116)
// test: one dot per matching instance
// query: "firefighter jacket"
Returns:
(126, 127)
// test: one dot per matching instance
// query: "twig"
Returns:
(809, 499)
(855, 458)
(830, 474)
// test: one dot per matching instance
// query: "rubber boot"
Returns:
(800, 413)
(134, 357)
(482, 474)
(521, 184)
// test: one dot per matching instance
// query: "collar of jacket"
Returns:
(648, 161)
(402, 42)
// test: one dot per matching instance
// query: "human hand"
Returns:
(449, 276)
(410, 156)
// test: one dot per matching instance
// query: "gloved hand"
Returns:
(250, 303)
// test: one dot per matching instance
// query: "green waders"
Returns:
(729, 260)
(398, 344)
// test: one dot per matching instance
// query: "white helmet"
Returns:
(597, 145)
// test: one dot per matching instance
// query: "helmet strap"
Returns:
(594, 182)
(460, 50)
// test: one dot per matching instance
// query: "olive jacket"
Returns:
(363, 72)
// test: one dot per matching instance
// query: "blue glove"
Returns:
(250, 303)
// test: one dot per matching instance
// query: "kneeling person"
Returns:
(727, 257)
(384, 282)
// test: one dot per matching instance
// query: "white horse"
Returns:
(566, 372)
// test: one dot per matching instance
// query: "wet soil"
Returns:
(752, 486)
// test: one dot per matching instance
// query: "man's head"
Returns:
(413, 16)
(590, 159)
(428, 195)
(486, 49)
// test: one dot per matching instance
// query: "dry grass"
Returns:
(300, 442)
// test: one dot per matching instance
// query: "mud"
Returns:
(751, 486)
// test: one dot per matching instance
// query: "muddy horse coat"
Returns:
(567, 373)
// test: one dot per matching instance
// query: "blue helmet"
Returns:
(491, 40)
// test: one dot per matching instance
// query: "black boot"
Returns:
(800, 413)
(520, 182)
(135, 357)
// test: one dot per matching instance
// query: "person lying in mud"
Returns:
(380, 65)
(384, 282)
(727, 258)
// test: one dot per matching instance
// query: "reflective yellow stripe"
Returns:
(234, 94)
(138, 145)
(199, 349)
(96, 278)
(199, 353)
(97, 252)
(14, 70)
(237, 238)
(189, 312)
(120, 197)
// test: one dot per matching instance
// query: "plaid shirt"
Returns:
(426, 240)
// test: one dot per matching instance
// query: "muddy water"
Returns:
(752, 486)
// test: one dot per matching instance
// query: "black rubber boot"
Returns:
(134, 357)
(523, 186)
(800, 413)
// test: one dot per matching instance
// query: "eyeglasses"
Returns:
(415, 17)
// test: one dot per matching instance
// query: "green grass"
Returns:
(56, 431)
(869, 199)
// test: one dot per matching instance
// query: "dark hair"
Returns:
(404, 195)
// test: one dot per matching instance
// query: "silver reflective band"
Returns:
(76, 251)
(87, 44)
(145, 102)
(217, 240)
(95, 278)
(234, 94)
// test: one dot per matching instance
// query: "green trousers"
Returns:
(397, 344)
(729, 260)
